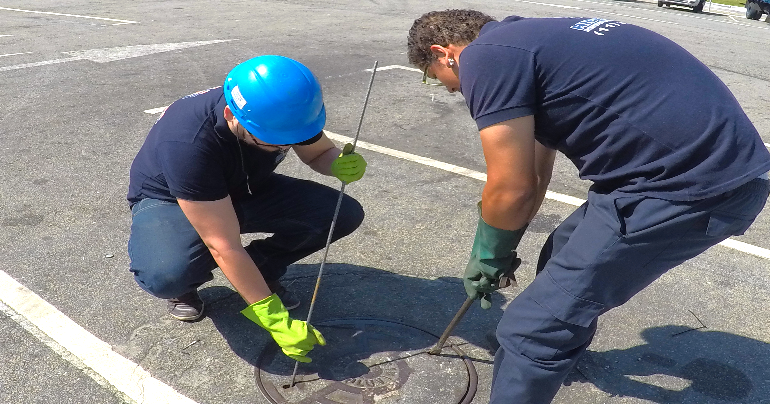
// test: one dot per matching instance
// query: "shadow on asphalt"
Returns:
(674, 363)
(357, 292)
(721, 366)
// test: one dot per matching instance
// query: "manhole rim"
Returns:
(473, 377)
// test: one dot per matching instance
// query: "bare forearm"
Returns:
(507, 210)
(322, 164)
(243, 274)
(539, 198)
(544, 160)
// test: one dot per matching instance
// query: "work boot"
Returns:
(188, 307)
(288, 298)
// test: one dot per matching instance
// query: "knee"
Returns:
(165, 283)
(350, 217)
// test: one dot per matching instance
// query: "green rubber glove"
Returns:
(296, 338)
(493, 255)
(349, 166)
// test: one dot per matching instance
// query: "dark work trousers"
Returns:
(169, 259)
(608, 250)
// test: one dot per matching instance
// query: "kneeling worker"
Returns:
(205, 175)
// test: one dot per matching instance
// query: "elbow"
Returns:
(511, 198)
(543, 181)
(220, 250)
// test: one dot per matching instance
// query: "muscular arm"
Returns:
(510, 196)
(217, 225)
(319, 155)
(544, 158)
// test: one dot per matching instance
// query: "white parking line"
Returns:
(391, 67)
(15, 54)
(105, 55)
(81, 348)
(117, 22)
(570, 200)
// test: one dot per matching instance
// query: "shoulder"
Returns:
(190, 119)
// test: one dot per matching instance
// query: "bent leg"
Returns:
(621, 246)
(168, 258)
(299, 214)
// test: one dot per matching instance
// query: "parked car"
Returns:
(697, 5)
(755, 8)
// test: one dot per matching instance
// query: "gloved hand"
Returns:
(349, 166)
(493, 255)
(296, 338)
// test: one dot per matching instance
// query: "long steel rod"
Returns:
(334, 218)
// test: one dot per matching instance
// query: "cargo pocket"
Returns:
(565, 306)
(724, 225)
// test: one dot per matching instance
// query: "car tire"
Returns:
(660, 4)
(699, 7)
(753, 12)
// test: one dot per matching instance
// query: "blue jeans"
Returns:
(608, 250)
(169, 259)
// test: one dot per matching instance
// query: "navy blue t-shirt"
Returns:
(634, 111)
(191, 154)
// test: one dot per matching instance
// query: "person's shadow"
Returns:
(683, 365)
(357, 292)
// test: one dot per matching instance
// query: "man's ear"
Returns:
(439, 51)
(228, 113)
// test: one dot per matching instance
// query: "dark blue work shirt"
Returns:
(191, 154)
(634, 111)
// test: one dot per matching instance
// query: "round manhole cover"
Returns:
(367, 361)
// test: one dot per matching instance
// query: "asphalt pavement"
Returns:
(82, 83)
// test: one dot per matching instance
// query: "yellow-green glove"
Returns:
(296, 338)
(349, 166)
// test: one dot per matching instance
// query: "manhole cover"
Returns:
(367, 361)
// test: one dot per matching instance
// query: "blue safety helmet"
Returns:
(276, 99)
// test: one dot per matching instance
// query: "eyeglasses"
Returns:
(428, 81)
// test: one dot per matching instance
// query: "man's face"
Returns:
(447, 76)
(251, 139)
(243, 134)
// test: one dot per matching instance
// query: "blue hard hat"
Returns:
(276, 99)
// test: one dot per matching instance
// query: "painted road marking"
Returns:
(14, 54)
(570, 200)
(391, 67)
(117, 22)
(154, 111)
(105, 55)
(81, 348)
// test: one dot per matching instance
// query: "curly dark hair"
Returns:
(457, 27)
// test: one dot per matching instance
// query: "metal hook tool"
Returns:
(507, 280)
(336, 213)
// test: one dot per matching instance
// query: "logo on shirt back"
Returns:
(598, 26)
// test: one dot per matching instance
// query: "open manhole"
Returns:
(368, 361)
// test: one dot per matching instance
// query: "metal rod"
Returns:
(334, 219)
(452, 324)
